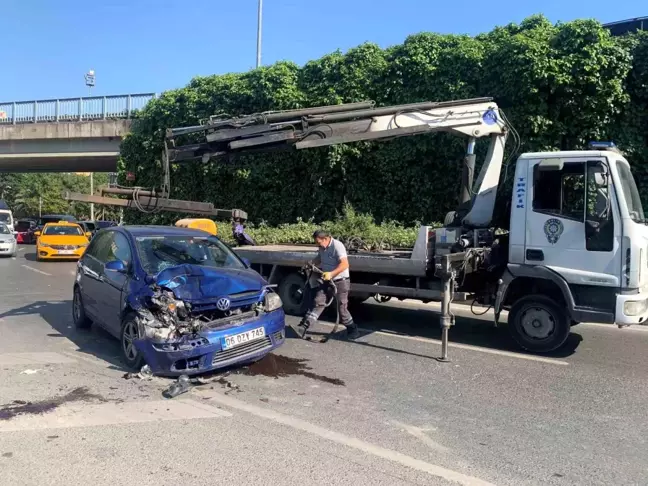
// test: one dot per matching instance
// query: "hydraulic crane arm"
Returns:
(331, 125)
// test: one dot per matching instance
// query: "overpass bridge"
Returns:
(66, 135)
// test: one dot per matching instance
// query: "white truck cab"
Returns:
(6, 217)
(577, 222)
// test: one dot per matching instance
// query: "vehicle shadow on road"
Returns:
(474, 331)
(58, 314)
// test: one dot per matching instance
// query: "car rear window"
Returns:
(63, 230)
(23, 226)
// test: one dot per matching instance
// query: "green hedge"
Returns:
(560, 85)
(348, 227)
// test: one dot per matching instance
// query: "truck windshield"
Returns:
(160, 252)
(630, 192)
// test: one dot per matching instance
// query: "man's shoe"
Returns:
(300, 329)
(352, 331)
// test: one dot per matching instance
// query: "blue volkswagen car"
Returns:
(178, 299)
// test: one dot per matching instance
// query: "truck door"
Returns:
(573, 225)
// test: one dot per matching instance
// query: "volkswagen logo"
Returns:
(223, 304)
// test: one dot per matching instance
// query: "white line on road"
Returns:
(348, 441)
(636, 327)
(469, 347)
(36, 270)
(89, 415)
(10, 359)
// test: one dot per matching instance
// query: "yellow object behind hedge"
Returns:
(198, 223)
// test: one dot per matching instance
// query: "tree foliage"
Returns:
(28, 193)
(561, 85)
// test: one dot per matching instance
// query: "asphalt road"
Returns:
(378, 411)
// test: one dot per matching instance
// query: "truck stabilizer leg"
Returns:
(446, 316)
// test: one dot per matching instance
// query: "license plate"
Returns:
(242, 338)
(66, 252)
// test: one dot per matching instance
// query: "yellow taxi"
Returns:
(61, 241)
(204, 224)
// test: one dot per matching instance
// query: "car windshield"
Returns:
(4, 229)
(630, 192)
(160, 252)
(62, 231)
(4, 218)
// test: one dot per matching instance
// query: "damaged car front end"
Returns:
(192, 319)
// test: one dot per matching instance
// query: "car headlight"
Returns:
(272, 302)
(11, 240)
(635, 307)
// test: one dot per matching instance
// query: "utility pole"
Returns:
(259, 27)
(90, 82)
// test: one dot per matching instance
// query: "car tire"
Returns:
(538, 324)
(288, 291)
(81, 320)
(130, 332)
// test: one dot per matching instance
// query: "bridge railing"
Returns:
(73, 109)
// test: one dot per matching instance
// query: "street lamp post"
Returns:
(259, 28)
(90, 82)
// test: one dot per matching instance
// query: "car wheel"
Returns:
(538, 324)
(81, 320)
(129, 333)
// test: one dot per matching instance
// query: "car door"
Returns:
(114, 283)
(565, 202)
(89, 271)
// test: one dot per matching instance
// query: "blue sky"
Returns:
(138, 46)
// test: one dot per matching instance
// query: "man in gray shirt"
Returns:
(333, 261)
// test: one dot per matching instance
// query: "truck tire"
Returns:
(538, 324)
(293, 293)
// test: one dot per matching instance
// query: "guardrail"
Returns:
(73, 109)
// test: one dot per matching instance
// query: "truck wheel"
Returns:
(292, 290)
(538, 325)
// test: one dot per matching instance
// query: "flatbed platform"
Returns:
(397, 262)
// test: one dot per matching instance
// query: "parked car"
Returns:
(61, 241)
(25, 229)
(8, 245)
(178, 299)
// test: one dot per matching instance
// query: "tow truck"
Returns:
(572, 248)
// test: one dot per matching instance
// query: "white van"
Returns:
(6, 217)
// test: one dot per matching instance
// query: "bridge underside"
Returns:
(80, 162)
(59, 155)
(62, 147)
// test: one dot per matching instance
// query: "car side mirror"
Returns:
(15, 233)
(247, 262)
(37, 233)
(88, 234)
(116, 266)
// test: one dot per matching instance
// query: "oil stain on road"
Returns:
(21, 407)
(278, 366)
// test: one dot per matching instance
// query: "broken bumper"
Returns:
(207, 350)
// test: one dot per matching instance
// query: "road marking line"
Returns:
(420, 434)
(92, 415)
(469, 347)
(11, 359)
(348, 441)
(36, 270)
(636, 327)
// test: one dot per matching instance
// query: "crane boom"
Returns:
(330, 125)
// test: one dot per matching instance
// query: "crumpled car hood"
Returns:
(198, 283)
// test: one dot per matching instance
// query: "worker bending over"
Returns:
(333, 261)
